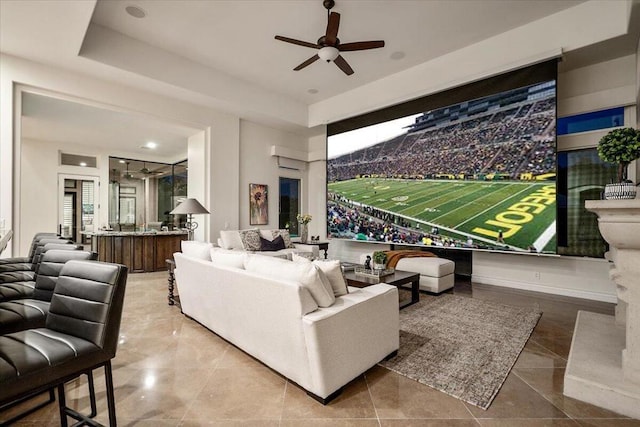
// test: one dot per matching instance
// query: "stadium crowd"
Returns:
(512, 141)
(371, 224)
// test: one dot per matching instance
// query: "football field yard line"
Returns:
(448, 193)
(493, 207)
(446, 197)
(545, 237)
(473, 201)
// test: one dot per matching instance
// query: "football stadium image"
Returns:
(478, 174)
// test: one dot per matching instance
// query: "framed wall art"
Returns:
(258, 204)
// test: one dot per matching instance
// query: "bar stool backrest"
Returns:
(51, 265)
(87, 303)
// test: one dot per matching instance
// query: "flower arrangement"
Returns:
(620, 146)
(304, 218)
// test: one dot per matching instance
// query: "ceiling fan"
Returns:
(128, 175)
(144, 169)
(329, 45)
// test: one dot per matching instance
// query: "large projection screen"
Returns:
(473, 167)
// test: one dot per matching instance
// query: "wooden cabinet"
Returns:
(140, 252)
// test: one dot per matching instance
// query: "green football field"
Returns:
(525, 212)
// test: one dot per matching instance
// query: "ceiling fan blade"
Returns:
(298, 42)
(343, 65)
(332, 29)
(349, 47)
(309, 61)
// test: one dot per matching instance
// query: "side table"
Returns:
(171, 280)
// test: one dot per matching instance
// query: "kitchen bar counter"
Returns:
(133, 233)
(140, 251)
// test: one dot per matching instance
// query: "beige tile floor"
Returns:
(170, 371)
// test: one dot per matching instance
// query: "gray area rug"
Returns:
(462, 346)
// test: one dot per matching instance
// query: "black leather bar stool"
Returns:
(21, 284)
(81, 334)
(28, 313)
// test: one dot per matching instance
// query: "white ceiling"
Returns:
(222, 54)
(237, 37)
(61, 121)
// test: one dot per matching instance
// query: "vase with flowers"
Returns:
(620, 146)
(304, 220)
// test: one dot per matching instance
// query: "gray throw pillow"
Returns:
(250, 239)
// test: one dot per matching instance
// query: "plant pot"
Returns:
(623, 190)
(378, 266)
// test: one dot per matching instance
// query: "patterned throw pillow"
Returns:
(250, 239)
(285, 236)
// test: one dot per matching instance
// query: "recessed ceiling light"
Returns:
(151, 145)
(135, 11)
(121, 161)
(398, 55)
(83, 164)
(313, 91)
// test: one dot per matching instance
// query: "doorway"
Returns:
(78, 206)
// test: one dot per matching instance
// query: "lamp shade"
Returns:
(189, 206)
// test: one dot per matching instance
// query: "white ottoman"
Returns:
(436, 274)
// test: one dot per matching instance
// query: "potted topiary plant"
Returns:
(379, 260)
(620, 146)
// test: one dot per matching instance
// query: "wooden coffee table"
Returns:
(398, 279)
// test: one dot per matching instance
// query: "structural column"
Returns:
(604, 362)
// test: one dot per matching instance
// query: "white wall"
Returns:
(38, 185)
(570, 276)
(257, 166)
(197, 186)
(599, 86)
(317, 184)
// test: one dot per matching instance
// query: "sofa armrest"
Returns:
(307, 248)
(356, 332)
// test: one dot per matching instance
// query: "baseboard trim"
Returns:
(535, 287)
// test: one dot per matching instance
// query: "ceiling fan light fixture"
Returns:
(328, 53)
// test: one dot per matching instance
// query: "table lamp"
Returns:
(189, 207)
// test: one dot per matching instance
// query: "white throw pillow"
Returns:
(332, 271)
(199, 250)
(266, 234)
(308, 275)
(230, 239)
(229, 259)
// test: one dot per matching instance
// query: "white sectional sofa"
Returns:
(231, 240)
(276, 318)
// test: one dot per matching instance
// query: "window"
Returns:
(581, 176)
(289, 204)
(603, 119)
